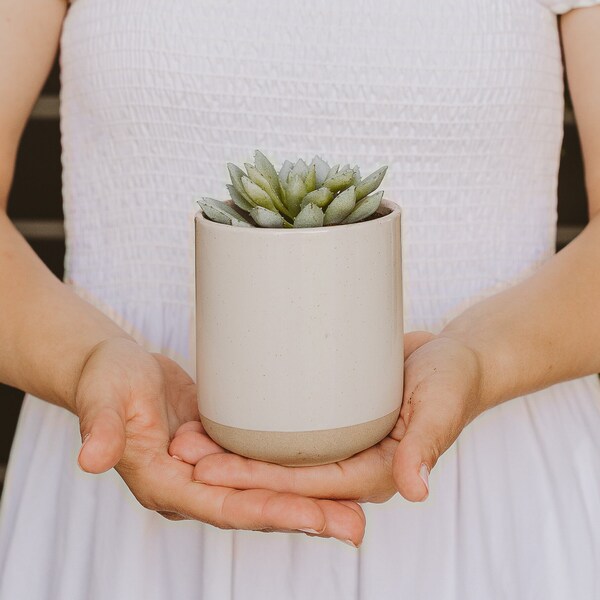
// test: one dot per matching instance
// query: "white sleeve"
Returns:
(562, 6)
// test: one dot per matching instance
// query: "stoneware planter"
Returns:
(299, 337)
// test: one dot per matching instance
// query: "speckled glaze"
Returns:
(300, 331)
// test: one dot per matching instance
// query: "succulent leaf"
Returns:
(267, 170)
(300, 168)
(236, 174)
(371, 183)
(364, 208)
(266, 218)
(340, 207)
(264, 184)
(219, 211)
(311, 179)
(321, 170)
(285, 170)
(321, 197)
(309, 195)
(255, 175)
(310, 216)
(333, 171)
(257, 195)
(215, 215)
(295, 191)
(340, 181)
(238, 199)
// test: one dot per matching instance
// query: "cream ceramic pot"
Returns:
(299, 337)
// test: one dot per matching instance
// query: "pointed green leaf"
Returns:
(238, 199)
(215, 215)
(300, 168)
(371, 183)
(266, 218)
(340, 207)
(333, 171)
(321, 170)
(236, 174)
(255, 175)
(356, 179)
(285, 170)
(344, 168)
(364, 208)
(287, 225)
(216, 210)
(311, 179)
(295, 191)
(257, 194)
(263, 183)
(310, 216)
(267, 170)
(340, 181)
(321, 197)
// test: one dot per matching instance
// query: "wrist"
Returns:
(491, 364)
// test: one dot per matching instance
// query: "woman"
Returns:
(464, 101)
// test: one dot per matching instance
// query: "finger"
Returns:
(343, 521)
(370, 470)
(191, 445)
(357, 508)
(166, 485)
(102, 427)
(431, 431)
(230, 508)
(411, 468)
(190, 426)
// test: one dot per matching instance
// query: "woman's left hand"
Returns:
(441, 396)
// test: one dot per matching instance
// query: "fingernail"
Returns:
(350, 543)
(176, 457)
(309, 530)
(424, 475)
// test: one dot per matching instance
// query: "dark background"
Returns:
(35, 205)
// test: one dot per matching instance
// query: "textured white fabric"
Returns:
(562, 6)
(464, 101)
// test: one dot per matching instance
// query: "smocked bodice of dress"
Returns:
(462, 100)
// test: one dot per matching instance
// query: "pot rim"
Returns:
(395, 211)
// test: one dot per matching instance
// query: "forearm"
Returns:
(46, 330)
(542, 331)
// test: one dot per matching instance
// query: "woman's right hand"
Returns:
(131, 402)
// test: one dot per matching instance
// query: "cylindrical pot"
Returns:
(299, 337)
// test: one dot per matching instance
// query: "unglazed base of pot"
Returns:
(301, 448)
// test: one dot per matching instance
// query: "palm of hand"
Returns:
(442, 380)
(131, 402)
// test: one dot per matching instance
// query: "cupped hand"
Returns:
(441, 396)
(130, 403)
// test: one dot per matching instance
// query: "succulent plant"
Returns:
(299, 195)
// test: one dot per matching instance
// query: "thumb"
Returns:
(412, 463)
(102, 425)
(428, 435)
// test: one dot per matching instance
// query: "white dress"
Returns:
(464, 101)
